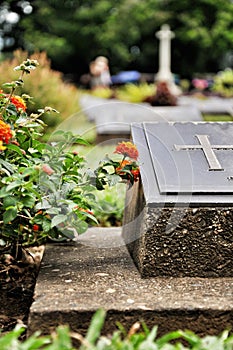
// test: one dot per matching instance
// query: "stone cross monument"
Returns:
(165, 35)
(180, 218)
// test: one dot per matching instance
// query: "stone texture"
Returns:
(179, 241)
(185, 233)
(97, 272)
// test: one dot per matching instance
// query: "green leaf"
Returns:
(14, 148)
(6, 165)
(113, 179)
(28, 201)
(13, 185)
(9, 201)
(21, 119)
(57, 219)
(9, 215)
(172, 336)
(10, 340)
(46, 225)
(81, 141)
(62, 339)
(95, 327)
(3, 192)
(81, 226)
(34, 342)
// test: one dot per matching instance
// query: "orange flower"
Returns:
(122, 165)
(18, 102)
(15, 100)
(5, 132)
(82, 209)
(128, 149)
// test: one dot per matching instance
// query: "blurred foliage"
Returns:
(135, 93)
(74, 32)
(109, 206)
(102, 92)
(217, 117)
(223, 83)
(46, 85)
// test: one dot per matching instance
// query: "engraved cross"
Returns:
(208, 149)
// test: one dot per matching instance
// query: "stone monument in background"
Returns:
(165, 35)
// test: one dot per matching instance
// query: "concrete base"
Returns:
(178, 241)
(97, 272)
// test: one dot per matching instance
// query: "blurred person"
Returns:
(100, 74)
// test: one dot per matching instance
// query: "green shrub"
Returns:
(46, 87)
(109, 206)
(223, 83)
(102, 92)
(135, 93)
(46, 189)
(138, 338)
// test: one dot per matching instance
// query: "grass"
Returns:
(217, 118)
(139, 337)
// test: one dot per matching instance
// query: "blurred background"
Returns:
(74, 32)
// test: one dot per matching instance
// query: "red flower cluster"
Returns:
(18, 102)
(15, 100)
(136, 174)
(128, 149)
(134, 171)
(121, 166)
(5, 132)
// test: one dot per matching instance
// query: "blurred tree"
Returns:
(204, 34)
(11, 12)
(74, 32)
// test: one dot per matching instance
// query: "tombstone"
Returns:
(178, 219)
(165, 35)
(113, 118)
(210, 105)
(116, 121)
(164, 74)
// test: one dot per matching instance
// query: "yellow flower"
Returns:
(2, 148)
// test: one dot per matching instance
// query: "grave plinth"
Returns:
(178, 219)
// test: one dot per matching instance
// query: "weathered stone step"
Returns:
(97, 271)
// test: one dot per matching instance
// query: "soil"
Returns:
(17, 283)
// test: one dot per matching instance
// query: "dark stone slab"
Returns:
(177, 152)
(172, 230)
(97, 272)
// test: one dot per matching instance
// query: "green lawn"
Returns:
(218, 118)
